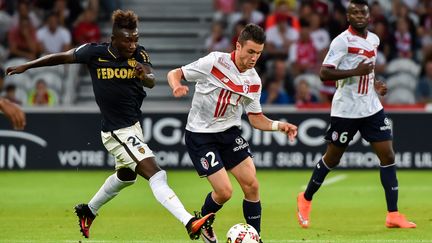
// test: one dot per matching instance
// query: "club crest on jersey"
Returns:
(239, 140)
(335, 136)
(132, 62)
(204, 163)
(246, 86)
(141, 150)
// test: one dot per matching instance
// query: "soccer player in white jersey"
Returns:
(356, 107)
(226, 83)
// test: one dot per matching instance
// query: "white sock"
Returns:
(166, 196)
(108, 191)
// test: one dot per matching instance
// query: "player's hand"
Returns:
(13, 113)
(289, 129)
(364, 68)
(16, 70)
(180, 91)
(380, 87)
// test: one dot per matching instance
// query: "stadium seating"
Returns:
(52, 79)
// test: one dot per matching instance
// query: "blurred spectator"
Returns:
(217, 41)
(248, 13)
(86, 29)
(41, 95)
(280, 37)
(424, 86)
(326, 91)
(320, 36)
(304, 96)
(303, 54)
(338, 21)
(22, 40)
(384, 49)
(403, 39)
(425, 28)
(10, 94)
(223, 8)
(284, 7)
(236, 32)
(2, 76)
(5, 23)
(24, 9)
(273, 93)
(53, 37)
(376, 15)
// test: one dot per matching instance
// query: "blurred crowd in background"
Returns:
(299, 33)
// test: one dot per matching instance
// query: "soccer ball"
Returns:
(242, 233)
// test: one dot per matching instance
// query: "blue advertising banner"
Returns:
(71, 140)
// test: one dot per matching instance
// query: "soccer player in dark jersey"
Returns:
(120, 70)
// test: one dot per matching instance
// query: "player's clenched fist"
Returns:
(13, 113)
(180, 91)
(289, 129)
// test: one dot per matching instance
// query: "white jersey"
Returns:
(355, 97)
(221, 93)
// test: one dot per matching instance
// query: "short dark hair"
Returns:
(361, 2)
(252, 32)
(124, 19)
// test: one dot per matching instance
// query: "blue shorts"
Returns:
(375, 128)
(211, 152)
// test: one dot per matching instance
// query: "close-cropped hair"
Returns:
(252, 32)
(124, 19)
(362, 2)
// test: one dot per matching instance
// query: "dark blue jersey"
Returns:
(119, 94)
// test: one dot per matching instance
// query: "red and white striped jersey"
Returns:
(355, 97)
(221, 93)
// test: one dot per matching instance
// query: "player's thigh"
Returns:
(221, 184)
(127, 146)
(204, 153)
(342, 130)
(376, 128)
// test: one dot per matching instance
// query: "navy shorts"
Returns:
(375, 128)
(211, 152)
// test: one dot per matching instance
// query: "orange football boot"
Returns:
(398, 220)
(303, 209)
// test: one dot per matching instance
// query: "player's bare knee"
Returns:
(387, 159)
(223, 195)
(251, 189)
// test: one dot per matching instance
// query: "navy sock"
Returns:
(390, 184)
(252, 214)
(317, 178)
(210, 206)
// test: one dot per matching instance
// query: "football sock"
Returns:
(252, 214)
(166, 196)
(210, 206)
(390, 184)
(108, 191)
(320, 172)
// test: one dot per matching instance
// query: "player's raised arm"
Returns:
(174, 79)
(48, 60)
(261, 122)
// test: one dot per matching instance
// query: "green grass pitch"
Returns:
(38, 207)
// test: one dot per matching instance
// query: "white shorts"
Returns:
(127, 146)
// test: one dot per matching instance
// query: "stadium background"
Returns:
(178, 32)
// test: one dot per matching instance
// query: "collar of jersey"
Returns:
(233, 60)
(113, 51)
(353, 32)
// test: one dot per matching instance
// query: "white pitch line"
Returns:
(330, 180)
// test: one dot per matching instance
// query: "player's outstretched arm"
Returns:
(48, 60)
(13, 113)
(174, 79)
(261, 122)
